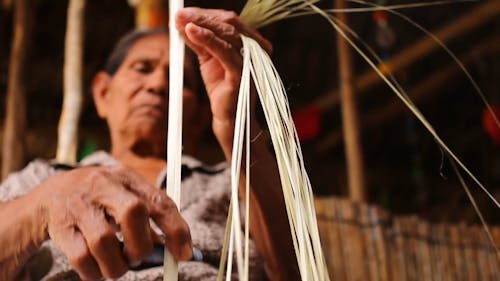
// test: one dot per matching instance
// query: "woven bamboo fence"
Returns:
(363, 243)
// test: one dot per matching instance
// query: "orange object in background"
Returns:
(151, 13)
(490, 126)
(308, 123)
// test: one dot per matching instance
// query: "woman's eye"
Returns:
(143, 67)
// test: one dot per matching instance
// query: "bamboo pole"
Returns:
(6, 4)
(479, 15)
(15, 115)
(424, 90)
(350, 120)
(72, 103)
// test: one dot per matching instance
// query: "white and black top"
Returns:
(204, 205)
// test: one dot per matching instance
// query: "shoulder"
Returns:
(195, 165)
(197, 173)
(98, 158)
(23, 181)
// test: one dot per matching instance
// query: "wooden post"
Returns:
(6, 4)
(13, 150)
(72, 103)
(353, 151)
(486, 11)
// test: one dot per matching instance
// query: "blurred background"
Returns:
(404, 169)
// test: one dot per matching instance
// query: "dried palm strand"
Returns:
(174, 137)
(233, 239)
(386, 7)
(295, 183)
(259, 13)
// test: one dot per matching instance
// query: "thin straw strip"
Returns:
(259, 13)
(232, 235)
(174, 137)
(247, 186)
(397, 7)
(308, 12)
(235, 180)
(295, 183)
(476, 207)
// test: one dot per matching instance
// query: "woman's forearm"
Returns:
(268, 219)
(22, 231)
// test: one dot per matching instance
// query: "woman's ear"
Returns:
(100, 85)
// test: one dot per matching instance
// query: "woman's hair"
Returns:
(121, 48)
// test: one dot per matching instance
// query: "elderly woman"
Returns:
(104, 217)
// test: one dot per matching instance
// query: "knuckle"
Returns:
(229, 16)
(138, 253)
(209, 36)
(227, 46)
(80, 259)
(101, 239)
(134, 208)
(98, 175)
(161, 203)
(229, 31)
(180, 233)
(115, 273)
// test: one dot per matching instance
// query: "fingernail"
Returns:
(197, 255)
(186, 253)
(193, 28)
(135, 263)
(184, 14)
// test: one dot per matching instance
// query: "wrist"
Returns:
(36, 216)
(224, 132)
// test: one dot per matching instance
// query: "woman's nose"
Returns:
(158, 82)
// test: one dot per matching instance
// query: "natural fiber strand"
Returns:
(174, 137)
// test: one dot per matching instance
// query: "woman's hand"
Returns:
(83, 208)
(214, 35)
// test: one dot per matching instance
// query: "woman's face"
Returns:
(135, 100)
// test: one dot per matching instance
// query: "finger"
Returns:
(101, 238)
(177, 236)
(212, 19)
(225, 53)
(71, 242)
(165, 214)
(157, 238)
(212, 22)
(128, 211)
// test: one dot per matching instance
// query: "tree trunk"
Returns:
(15, 114)
(72, 103)
(350, 119)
